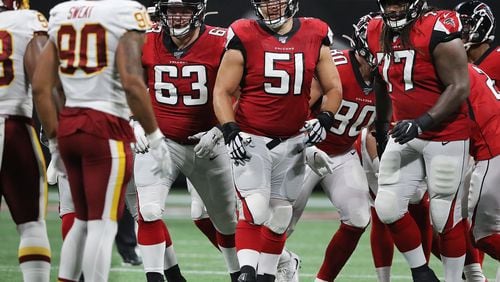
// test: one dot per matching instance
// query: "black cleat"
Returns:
(154, 277)
(247, 274)
(173, 274)
(424, 275)
(234, 276)
(131, 259)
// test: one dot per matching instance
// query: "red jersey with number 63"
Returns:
(484, 101)
(278, 74)
(357, 109)
(410, 75)
(490, 64)
(181, 82)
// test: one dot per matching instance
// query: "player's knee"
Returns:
(280, 219)
(198, 211)
(151, 211)
(359, 216)
(32, 228)
(440, 211)
(445, 176)
(258, 206)
(389, 171)
(386, 205)
(33, 239)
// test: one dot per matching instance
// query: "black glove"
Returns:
(381, 136)
(407, 130)
(236, 143)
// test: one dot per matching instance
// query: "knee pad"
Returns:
(389, 171)
(34, 240)
(445, 176)
(150, 211)
(386, 205)
(359, 216)
(198, 211)
(258, 206)
(280, 219)
(440, 211)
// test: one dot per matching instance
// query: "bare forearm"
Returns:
(46, 110)
(449, 101)
(223, 106)
(332, 101)
(140, 104)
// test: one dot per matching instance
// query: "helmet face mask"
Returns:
(274, 13)
(478, 23)
(180, 17)
(359, 40)
(399, 13)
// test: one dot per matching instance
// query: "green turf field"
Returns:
(199, 261)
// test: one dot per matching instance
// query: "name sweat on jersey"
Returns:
(181, 82)
(357, 109)
(17, 28)
(410, 75)
(87, 34)
(275, 89)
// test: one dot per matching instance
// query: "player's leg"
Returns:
(401, 171)
(347, 189)
(26, 195)
(153, 237)
(216, 190)
(485, 220)
(445, 168)
(382, 247)
(200, 216)
(287, 178)
(419, 209)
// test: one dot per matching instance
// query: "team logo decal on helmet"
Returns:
(398, 20)
(274, 13)
(180, 17)
(478, 22)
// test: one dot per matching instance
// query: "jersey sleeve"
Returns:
(328, 40)
(446, 28)
(37, 22)
(233, 41)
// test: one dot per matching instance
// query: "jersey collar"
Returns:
(172, 48)
(283, 38)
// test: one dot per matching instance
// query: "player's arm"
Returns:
(44, 78)
(316, 92)
(33, 50)
(329, 79)
(450, 61)
(128, 62)
(383, 109)
(227, 84)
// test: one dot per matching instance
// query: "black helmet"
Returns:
(292, 6)
(398, 20)
(359, 40)
(197, 18)
(478, 22)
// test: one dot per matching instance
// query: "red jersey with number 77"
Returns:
(411, 77)
(278, 72)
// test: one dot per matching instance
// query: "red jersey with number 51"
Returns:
(275, 89)
(181, 82)
(484, 101)
(410, 75)
(357, 109)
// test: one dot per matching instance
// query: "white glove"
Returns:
(56, 157)
(318, 161)
(237, 148)
(141, 144)
(207, 142)
(159, 150)
(51, 174)
(315, 132)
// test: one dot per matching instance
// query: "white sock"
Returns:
(285, 256)
(498, 275)
(319, 280)
(98, 248)
(453, 268)
(153, 257)
(34, 242)
(415, 257)
(231, 259)
(36, 270)
(383, 274)
(474, 273)
(248, 257)
(170, 259)
(268, 264)
(70, 267)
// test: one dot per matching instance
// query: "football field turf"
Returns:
(200, 261)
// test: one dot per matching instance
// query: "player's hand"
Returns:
(160, 152)
(141, 144)
(317, 128)
(318, 161)
(405, 131)
(52, 173)
(381, 136)
(56, 157)
(207, 141)
(236, 142)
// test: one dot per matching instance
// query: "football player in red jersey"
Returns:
(478, 35)
(23, 33)
(274, 59)
(181, 58)
(422, 86)
(335, 158)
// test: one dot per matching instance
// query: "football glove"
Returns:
(55, 157)
(406, 130)
(207, 141)
(318, 161)
(51, 173)
(381, 136)
(160, 152)
(236, 143)
(141, 144)
(317, 128)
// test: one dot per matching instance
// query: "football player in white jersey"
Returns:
(23, 182)
(95, 53)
